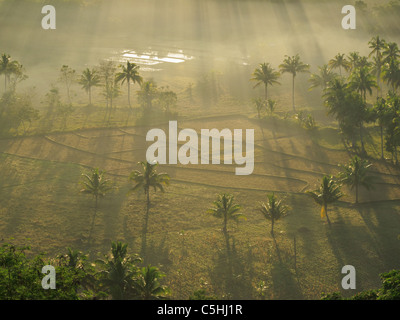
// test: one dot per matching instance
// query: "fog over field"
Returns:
(231, 37)
(123, 133)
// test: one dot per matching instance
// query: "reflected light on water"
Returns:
(152, 58)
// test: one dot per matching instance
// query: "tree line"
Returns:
(17, 109)
(346, 94)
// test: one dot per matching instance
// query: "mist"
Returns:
(228, 37)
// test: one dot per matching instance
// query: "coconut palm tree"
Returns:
(225, 208)
(96, 185)
(391, 52)
(339, 61)
(88, 80)
(355, 174)
(334, 98)
(382, 115)
(293, 65)
(118, 272)
(322, 78)
(129, 73)
(273, 210)
(391, 74)
(8, 67)
(362, 80)
(147, 284)
(328, 193)
(145, 180)
(377, 45)
(265, 75)
(354, 60)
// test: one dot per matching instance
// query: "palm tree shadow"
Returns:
(158, 253)
(285, 285)
(278, 253)
(232, 273)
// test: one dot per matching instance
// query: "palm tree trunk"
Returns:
(294, 108)
(90, 95)
(326, 213)
(272, 227)
(129, 95)
(266, 93)
(94, 217)
(356, 193)
(146, 221)
(362, 139)
(382, 156)
(225, 231)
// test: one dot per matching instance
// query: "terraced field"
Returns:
(40, 200)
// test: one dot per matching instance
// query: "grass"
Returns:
(40, 201)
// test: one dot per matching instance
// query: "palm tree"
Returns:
(328, 193)
(334, 96)
(145, 180)
(355, 174)
(322, 78)
(147, 285)
(88, 80)
(362, 80)
(225, 208)
(377, 45)
(265, 75)
(293, 65)
(380, 110)
(273, 210)
(129, 73)
(8, 67)
(391, 74)
(96, 185)
(339, 61)
(119, 272)
(147, 93)
(391, 52)
(354, 60)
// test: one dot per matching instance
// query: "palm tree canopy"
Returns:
(224, 206)
(339, 61)
(322, 78)
(391, 73)
(274, 209)
(7, 65)
(89, 79)
(377, 45)
(327, 193)
(129, 73)
(95, 183)
(391, 52)
(266, 75)
(149, 178)
(356, 173)
(147, 284)
(362, 80)
(293, 65)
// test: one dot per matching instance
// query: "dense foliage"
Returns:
(117, 276)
